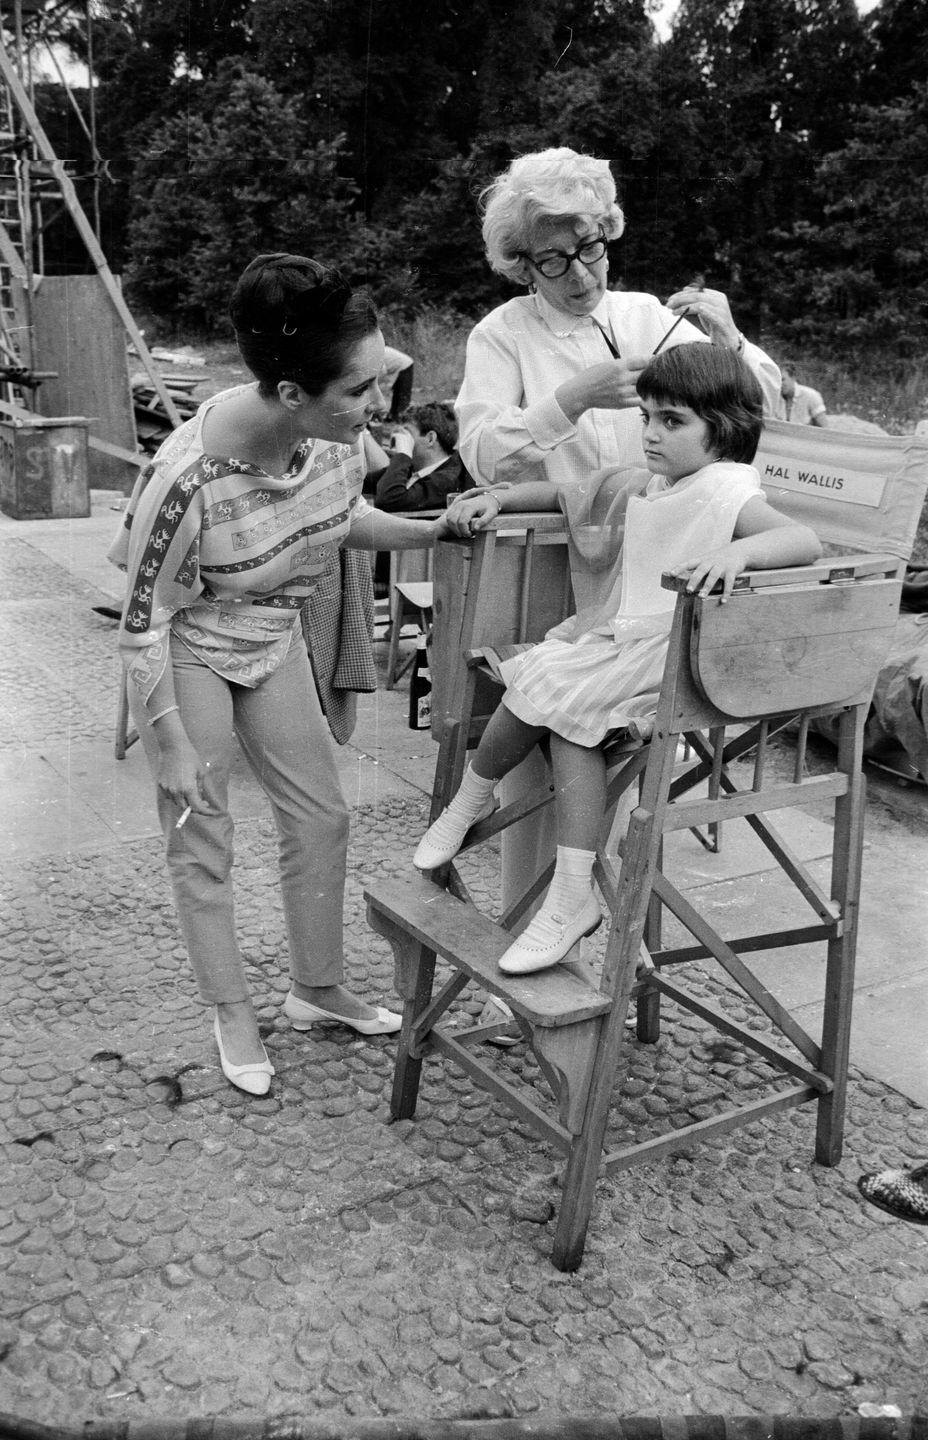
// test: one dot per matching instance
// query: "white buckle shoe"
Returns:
(549, 937)
(445, 836)
(254, 1079)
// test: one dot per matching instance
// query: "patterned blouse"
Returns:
(224, 555)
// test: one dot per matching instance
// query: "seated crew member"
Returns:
(425, 467)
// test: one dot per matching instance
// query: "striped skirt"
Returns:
(584, 689)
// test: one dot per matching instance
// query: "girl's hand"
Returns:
(472, 512)
(704, 574)
(711, 310)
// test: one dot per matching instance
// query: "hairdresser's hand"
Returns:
(710, 309)
(609, 386)
(704, 574)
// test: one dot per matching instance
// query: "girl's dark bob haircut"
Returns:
(718, 386)
(297, 319)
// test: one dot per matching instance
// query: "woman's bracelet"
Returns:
(161, 714)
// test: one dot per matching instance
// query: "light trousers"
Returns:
(283, 734)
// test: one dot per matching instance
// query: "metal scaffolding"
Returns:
(31, 177)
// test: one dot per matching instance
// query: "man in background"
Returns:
(800, 404)
(424, 467)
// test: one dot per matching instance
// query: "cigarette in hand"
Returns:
(184, 815)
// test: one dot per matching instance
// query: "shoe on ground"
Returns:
(550, 937)
(254, 1079)
(445, 836)
(303, 1016)
(903, 1193)
(497, 1012)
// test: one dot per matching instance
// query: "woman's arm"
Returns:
(764, 539)
(158, 550)
(379, 530)
(475, 510)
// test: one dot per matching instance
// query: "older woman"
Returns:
(549, 383)
(548, 402)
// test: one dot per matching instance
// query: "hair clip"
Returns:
(285, 331)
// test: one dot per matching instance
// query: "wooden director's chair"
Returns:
(791, 645)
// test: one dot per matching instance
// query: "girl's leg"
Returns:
(504, 744)
(286, 740)
(570, 908)
(199, 855)
(580, 792)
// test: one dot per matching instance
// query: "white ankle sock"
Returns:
(472, 795)
(572, 880)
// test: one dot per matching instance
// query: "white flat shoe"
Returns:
(549, 937)
(445, 836)
(254, 1079)
(303, 1016)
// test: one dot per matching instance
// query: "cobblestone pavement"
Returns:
(169, 1248)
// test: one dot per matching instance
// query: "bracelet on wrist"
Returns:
(161, 713)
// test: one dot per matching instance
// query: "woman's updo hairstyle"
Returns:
(543, 187)
(296, 319)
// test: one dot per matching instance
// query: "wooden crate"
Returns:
(43, 469)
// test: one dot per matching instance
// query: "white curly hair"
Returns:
(548, 185)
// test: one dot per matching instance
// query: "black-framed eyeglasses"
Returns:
(558, 263)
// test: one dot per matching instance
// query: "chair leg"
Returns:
(839, 970)
(396, 626)
(415, 970)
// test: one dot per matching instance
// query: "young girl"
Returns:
(702, 516)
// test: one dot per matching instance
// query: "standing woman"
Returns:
(226, 535)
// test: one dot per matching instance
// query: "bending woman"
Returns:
(226, 534)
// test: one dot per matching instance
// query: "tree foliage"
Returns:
(775, 146)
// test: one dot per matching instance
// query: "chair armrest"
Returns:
(835, 570)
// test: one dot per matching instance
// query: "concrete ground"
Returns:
(170, 1249)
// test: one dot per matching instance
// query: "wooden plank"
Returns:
(771, 651)
(700, 928)
(745, 944)
(131, 457)
(79, 334)
(517, 1100)
(684, 814)
(822, 572)
(716, 1125)
(720, 1021)
(473, 943)
(10, 256)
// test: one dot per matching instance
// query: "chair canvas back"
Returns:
(857, 492)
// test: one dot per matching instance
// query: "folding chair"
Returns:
(410, 598)
(790, 646)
